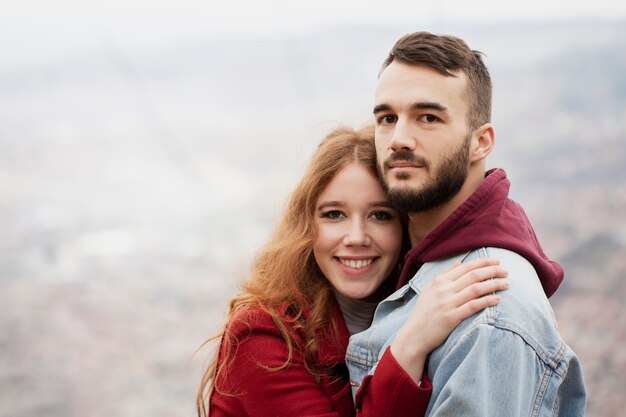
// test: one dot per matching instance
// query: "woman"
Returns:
(333, 256)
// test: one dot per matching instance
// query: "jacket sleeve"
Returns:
(294, 391)
(489, 372)
(259, 392)
(390, 391)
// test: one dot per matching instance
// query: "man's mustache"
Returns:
(406, 156)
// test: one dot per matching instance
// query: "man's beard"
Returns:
(444, 183)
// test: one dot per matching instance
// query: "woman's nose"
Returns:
(357, 234)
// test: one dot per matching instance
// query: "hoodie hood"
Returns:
(488, 218)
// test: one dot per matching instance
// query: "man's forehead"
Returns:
(400, 82)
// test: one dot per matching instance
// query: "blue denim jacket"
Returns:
(507, 360)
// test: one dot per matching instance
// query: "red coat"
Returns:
(293, 391)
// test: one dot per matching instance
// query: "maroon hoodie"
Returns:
(488, 218)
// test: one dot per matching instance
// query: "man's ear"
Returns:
(482, 143)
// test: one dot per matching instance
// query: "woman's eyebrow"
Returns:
(330, 204)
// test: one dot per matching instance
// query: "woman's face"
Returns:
(359, 234)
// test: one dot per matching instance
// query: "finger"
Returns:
(475, 305)
(451, 267)
(458, 270)
(479, 275)
(480, 289)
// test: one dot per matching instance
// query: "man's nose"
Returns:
(402, 137)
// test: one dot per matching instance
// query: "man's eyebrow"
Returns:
(415, 106)
(428, 106)
(381, 107)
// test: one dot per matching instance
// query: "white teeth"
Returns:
(356, 264)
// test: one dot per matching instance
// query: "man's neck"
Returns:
(424, 222)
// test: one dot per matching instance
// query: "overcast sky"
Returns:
(288, 15)
(145, 20)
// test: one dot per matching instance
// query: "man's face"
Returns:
(422, 136)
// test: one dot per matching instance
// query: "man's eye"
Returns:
(430, 118)
(332, 214)
(388, 119)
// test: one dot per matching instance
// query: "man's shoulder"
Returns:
(525, 293)
(524, 310)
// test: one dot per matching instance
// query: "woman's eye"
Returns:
(332, 214)
(382, 215)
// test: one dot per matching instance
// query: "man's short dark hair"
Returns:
(445, 54)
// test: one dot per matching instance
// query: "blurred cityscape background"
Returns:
(139, 172)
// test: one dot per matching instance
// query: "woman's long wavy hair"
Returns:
(285, 272)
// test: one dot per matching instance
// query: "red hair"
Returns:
(284, 272)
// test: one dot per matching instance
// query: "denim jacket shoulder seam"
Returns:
(551, 361)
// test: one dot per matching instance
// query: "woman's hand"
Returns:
(454, 295)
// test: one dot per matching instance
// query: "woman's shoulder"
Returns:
(254, 318)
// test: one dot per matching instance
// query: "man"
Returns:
(433, 133)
